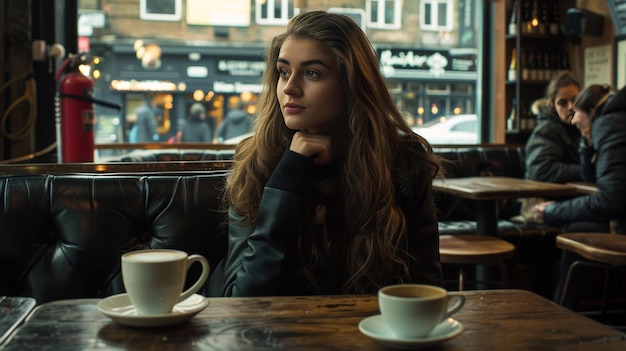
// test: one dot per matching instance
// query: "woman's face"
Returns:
(582, 121)
(564, 101)
(309, 92)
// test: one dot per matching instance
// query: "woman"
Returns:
(552, 148)
(600, 116)
(333, 193)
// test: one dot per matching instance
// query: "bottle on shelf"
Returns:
(554, 19)
(524, 65)
(532, 66)
(512, 74)
(526, 17)
(541, 74)
(512, 121)
(547, 68)
(534, 18)
(513, 21)
(544, 19)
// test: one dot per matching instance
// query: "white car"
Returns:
(454, 130)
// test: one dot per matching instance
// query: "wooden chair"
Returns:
(466, 250)
(602, 250)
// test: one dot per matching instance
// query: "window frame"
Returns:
(145, 15)
(258, 4)
(435, 26)
(380, 6)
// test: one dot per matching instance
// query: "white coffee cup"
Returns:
(414, 310)
(154, 279)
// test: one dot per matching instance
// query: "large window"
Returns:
(211, 52)
(384, 14)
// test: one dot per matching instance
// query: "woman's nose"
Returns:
(292, 87)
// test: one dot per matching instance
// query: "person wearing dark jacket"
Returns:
(196, 127)
(333, 192)
(552, 148)
(600, 115)
(236, 122)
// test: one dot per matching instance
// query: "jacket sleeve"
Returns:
(256, 254)
(587, 162)
(417, 202)
(609, 200)
(546, 160)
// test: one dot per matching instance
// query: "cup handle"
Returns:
(460, 301)
(203, 277)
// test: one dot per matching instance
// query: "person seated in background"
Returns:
(332, 194)
(600, 115)
(236, 122)
(552, 148)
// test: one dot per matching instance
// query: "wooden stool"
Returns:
(475, 249)
(602, 250)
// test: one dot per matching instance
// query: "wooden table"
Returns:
(487, 190)
(13, 310)
(584, 187)
(492, 320)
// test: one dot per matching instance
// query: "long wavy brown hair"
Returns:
(380, 148)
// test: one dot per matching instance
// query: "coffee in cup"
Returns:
(414, 310)
(154, 279)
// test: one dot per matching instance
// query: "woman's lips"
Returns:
(293, 108)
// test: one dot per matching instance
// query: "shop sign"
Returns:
(241, 67)
(236, 87)
(435, 62)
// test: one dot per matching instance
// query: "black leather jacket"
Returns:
(608, 134)
(260, 259)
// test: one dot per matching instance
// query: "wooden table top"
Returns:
(492, 320)
(13, 310)
(494, 188)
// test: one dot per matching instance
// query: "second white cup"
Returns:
(414, 310)
(154, 279)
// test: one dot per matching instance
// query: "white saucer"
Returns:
(376, 328)
(121, 310)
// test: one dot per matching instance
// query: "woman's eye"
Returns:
(283, 73)
(311, 73)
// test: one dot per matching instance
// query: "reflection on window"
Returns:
(274, 12)
(383, 14)
(436, 15)
(160, 10)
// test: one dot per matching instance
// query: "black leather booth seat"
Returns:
(62, 236)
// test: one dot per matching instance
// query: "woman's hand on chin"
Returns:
(315, 146)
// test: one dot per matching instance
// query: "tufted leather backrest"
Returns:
(160, 155)
(62, 236)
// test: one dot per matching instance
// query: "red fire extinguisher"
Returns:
(75, 112)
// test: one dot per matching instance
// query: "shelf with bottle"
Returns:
(535, 66)
(519, 120)
(534, 19)
(535, 52)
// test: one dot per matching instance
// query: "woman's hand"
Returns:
(315, 146)
(539, 209)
